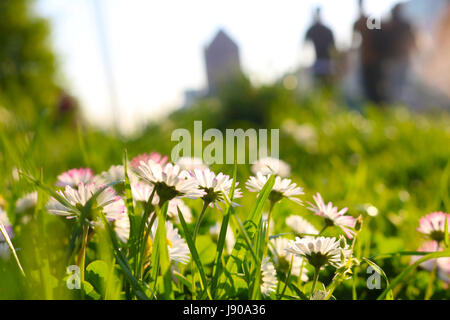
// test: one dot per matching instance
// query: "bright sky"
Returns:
(156, 47)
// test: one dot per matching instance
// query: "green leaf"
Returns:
(194, 253)
(222, 236)
(160, 254)
(11, 246)
(122, 261)
(90, 292)
(390, 294)
(103, 277)
(129, 203)
(247, 231)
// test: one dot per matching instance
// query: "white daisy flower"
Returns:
(433, 225)
(154, 156)
(172, 210)
(26, 202)
(332, 216)
(114, 174)
(4, 247)
(142, 191)
(121, 226)
(283, 258)
(215, 186)
(111, 204)
(300, 225)
(74, 176)
(442, 264)
(170, 181)
(319, 251)
(189, 164)
(443, 267)
(268, 277)
(177, 247)
(5, 222)
(265, 217)
(229, 237)
(283, 188)
(269, 165)
(4, 250)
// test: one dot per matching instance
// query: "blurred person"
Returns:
(372, 56)
(401, 44)
(323, 40)
(437, 67)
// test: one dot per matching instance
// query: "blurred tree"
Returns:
(27, 63)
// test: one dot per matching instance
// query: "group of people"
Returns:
(384, 48)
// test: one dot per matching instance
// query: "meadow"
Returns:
(130, 232)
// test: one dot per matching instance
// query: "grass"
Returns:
(390, 161)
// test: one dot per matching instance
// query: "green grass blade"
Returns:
(194, 253)
(222, 236)
(434, 255)
(389, 294)
(11, 247)
(123, 262)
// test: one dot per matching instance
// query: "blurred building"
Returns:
(222, 61)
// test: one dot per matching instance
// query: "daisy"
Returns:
(442, 264)
(283, 188)
(268, 277)
(172, 210)
(74, 176)
(121, 226)
(114, 174)
(229, 237)
(332, 216)
(270, 165)
(433, 225)
(108, 201)
(189, 164)
(142, 191)
(215, 186)
(4, 247)
(283, 258)
(300, 225)
(8, 227)
(28, 201)
(154, 156)
(170, 181)
(319, 251)
(265, 221)
(177, 247)
(4, 250)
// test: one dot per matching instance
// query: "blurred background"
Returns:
(139, 60)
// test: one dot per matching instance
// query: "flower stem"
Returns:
(197, 226)
(266, 240)
(323, 229)
(288, 277)
(199, 220)
(429, 291)
(81, 260)
(316, 277)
